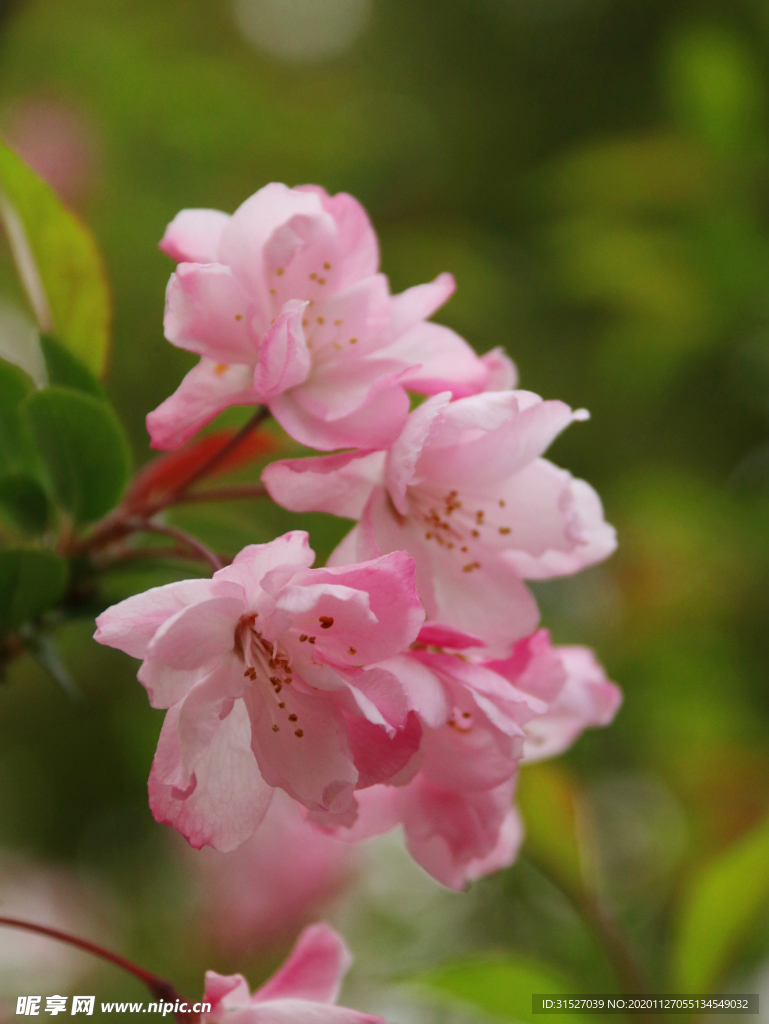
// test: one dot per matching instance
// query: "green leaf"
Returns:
(83, 448)
(501, 988)
(67, 370)
(30, 582)
(25, 502)
(15, 445)
(58, 261)
(722, 903)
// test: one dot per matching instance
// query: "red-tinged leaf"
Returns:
(167, 473)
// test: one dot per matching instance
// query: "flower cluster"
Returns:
(405, 682)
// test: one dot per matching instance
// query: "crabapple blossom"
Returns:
(285, 306)
(481, 719)
(465, 490)
(261, 894)
(303, 991)
(264, 671)
(587, 699)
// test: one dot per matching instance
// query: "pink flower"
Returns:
(284, 304)
(278, 880)
(481, 719)
(303, 991)
(457, 811)
(464, 489)
(263, 670)
(586, 700)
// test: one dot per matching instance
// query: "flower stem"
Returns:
(261, 414)
(185, 539)
(605, 929)
(221, 494)
(159, 987)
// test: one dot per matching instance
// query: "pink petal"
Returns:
(301, 258)
(418, 303)
(314, 768)
(208, 388)
(437, 635)
(389, 582)
(468, 419)
(201, 713)
(167, 686)
(378, 813)
(440, 361)
(349, 324)
(339, 484)
(252, 564)
(474, 463)
(534, 666)
(487, 600)
(338, 388)
(358, 246)
(407, 449)
(446, 832)
(353, 548)
(198, 634)
(504, 853)
(284, 360)
(473, 757)
(420, 687)
(313, 971)
(207, 312)
(375, 424)
(229, 797)
(378, 688)
(588, 699)
(193, 236)
(219, 987)
(311, 601)
(131, 624)
(382, 758)
(251, 227)
(581, 538)
(503, 375)
(507, 707)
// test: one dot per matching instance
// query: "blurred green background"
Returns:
(596, 175)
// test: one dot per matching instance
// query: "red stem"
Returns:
(234, 493)
(261, 414)
(159, 987)
(119, 524)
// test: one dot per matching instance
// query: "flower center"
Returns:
(267, 665)
(460, 526)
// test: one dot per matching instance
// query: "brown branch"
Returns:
(261, 414)
(185, 539)
(222, 494)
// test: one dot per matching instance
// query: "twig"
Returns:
(157, 551)
(221, 494)
(159, 987)
(186, 539)
(613, 942)
(261, 414)
(607, 932)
